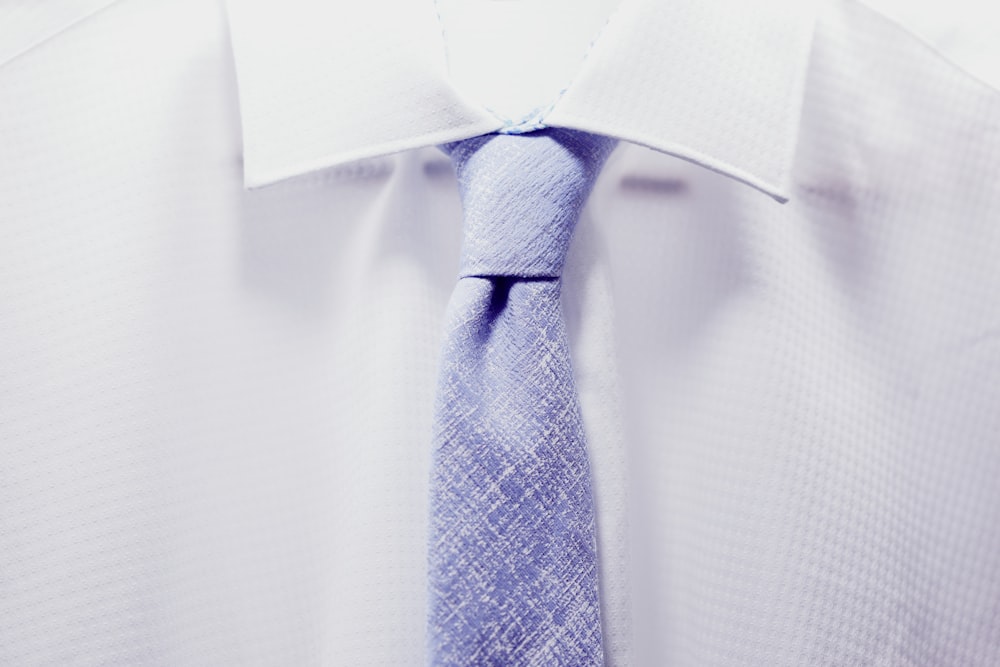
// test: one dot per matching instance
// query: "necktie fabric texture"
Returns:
(513, 564)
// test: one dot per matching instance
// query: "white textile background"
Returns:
(215, 403)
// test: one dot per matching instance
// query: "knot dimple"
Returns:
(522, 195)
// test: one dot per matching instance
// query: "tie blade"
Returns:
(513, 562)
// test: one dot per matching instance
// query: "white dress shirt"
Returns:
(226, 245)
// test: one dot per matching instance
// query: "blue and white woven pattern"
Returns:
(513, 555)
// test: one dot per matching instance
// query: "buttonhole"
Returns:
(654, 185)
(438, 169)
(363, 170)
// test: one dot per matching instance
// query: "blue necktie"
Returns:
(513, 555)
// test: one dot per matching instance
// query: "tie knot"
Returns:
(522, 195)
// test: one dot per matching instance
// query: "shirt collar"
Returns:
(716, 82)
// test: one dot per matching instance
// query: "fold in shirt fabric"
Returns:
(513, 553)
